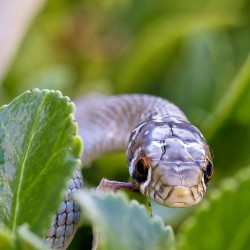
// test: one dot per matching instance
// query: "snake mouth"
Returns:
(180, 196)
(176, 196)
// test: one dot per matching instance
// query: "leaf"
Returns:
(39, 150)
(223, 221)
(123, 224)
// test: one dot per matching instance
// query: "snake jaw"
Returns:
(174, 196)
(174, 189)
(180, 196)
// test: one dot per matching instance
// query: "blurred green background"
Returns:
(194, 53)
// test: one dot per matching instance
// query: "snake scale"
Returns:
(168, 158)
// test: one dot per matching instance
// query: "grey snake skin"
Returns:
(168, 158)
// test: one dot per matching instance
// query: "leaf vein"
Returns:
(22, 166)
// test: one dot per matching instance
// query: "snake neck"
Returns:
(105, 123)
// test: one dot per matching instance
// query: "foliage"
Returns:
(123, 225)
(37, 135)
(195, 54)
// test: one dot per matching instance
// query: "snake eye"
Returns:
(208, 172)
(140, 172)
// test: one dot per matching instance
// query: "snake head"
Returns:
(170, 162)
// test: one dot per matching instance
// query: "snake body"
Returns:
(168, 158)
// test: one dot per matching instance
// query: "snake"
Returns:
(168, 158)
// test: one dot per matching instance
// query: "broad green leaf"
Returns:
(123, 224)
(223, 222)
(39, 150)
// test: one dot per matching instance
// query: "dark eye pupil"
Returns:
(140, 167)
(208, 172)
(140, 172)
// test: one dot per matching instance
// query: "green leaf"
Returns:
(123, 224)
(223, 221)
(39, 150)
